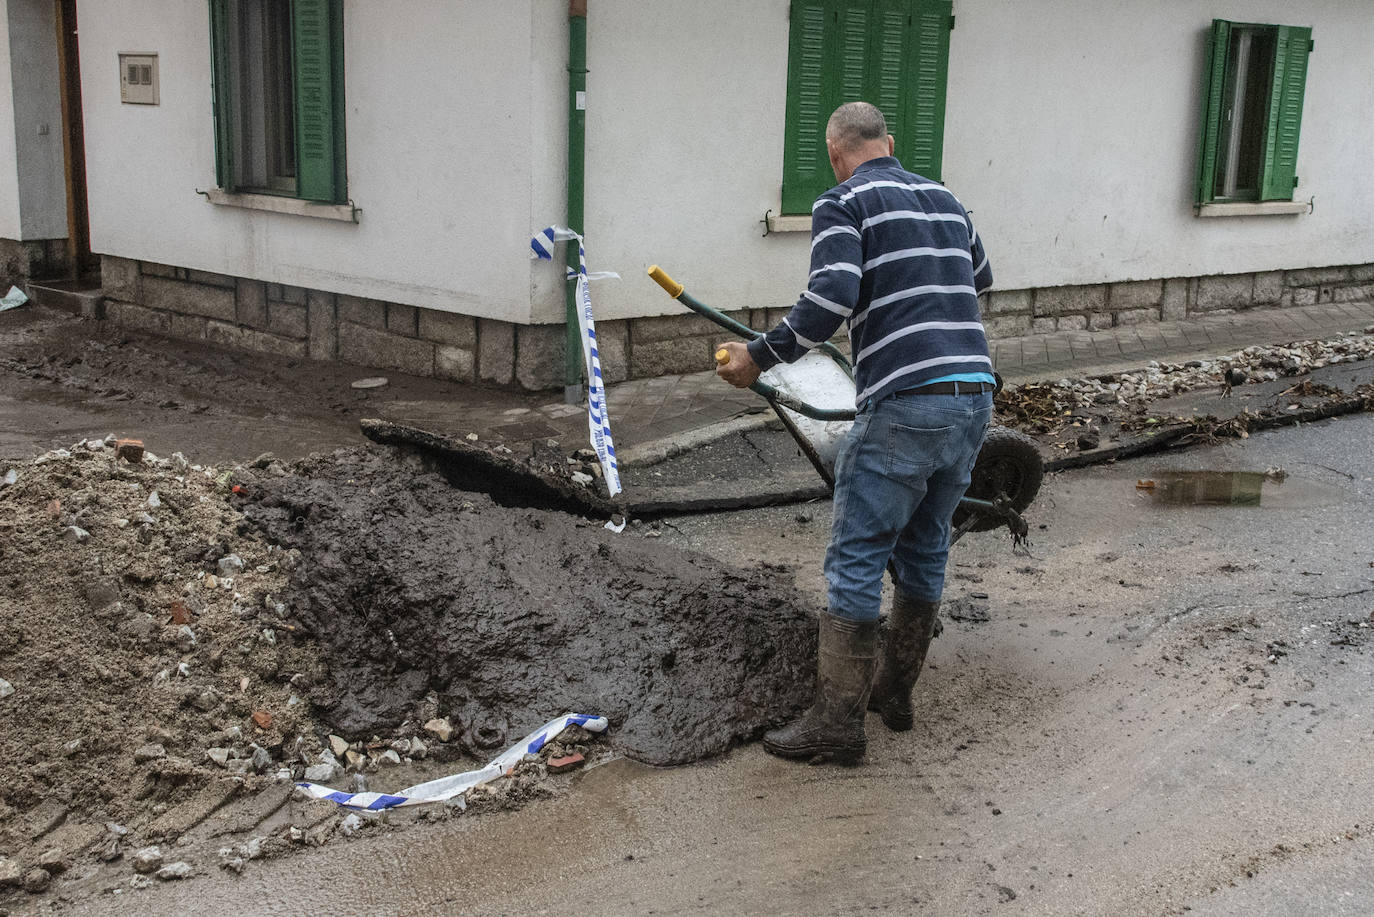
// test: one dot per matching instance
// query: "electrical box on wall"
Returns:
(138, 79)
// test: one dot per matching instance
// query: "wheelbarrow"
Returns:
(814, 399)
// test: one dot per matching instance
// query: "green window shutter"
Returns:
(920, 145)
(1218, 44)
(317, 63)
(1285, 113)
(223, 94)
(893, 53)
(805, 162)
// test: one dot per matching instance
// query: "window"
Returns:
(1252, 113)
(278, 74)
(893, 53)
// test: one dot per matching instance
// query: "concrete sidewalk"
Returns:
(647, 413)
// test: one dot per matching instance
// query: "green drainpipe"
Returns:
(577, 135)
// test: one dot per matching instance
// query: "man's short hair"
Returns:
(854, 124)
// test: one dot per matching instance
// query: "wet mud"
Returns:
(417, 592)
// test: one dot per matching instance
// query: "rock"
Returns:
(261, 760)
(11, 873)
(154, 501)
(230, 564)
(150, 752)
(388, 758)
(1089, 439)
(144, 519)
(36, 880)
(206, 700)
(146, 860)
(218, 755)
(178, 870)
(186, 638)
(76, 533)
(70, 749)
(321, 773)
(354, 759)
(440, 728)
(262, 719)
(264, 460)
(53, 861)
(6, 689)
(418, 749)
(584, 479)
(350, 825)
(9, 479)
(338, 745)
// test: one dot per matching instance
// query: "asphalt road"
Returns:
(1162, 708)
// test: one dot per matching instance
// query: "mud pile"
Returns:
(422, 598)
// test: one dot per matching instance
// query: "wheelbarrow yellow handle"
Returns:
(722, 356)
(660, 277)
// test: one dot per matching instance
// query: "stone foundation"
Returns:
(1094, 307)
(32, 260)
(296, 322)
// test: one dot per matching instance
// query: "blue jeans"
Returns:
(899, 475)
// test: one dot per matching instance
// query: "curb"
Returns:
(660, 450)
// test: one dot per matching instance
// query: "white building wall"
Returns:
(1071, 132)
(33, 190)
(438, 129)
(9, 153)
(37, 119)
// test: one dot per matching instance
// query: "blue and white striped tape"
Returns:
(598, 418)
(447, 787)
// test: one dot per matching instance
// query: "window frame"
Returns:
(1275, 165)
(316, 102)
(907, 79)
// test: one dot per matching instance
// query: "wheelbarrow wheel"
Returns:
(1009, 466)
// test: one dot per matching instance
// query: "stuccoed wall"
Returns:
(439, 120)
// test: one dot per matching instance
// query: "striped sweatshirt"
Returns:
(894, 256)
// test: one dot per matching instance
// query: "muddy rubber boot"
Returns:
(834, 726)
(910, 628)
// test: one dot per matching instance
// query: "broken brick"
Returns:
(262, 719)
(130, 450)
(180, 613)
(566, 763)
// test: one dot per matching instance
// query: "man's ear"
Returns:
(891, 144)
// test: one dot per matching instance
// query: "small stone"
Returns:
(584, 479)
(351, 825)
(144, 519)
(472, 437)
(338, 745)
(76, 533)
(36, 880)
(218, 755)
(69, 749)
(262, 719)
(418, 749)
(178, 870)
(262, 759)
(53, 861)
(206, 700)
(150, 752)
(9, 479)
(211, 581)
(230, 564)
(154, 501)
(6, 689)
(186, 638)
(354, 759)
(146, 860)
(440, 728)
(389, 757)
(11, 873)
(321, 773)
(264, 460)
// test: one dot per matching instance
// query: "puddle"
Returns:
(1211, 488)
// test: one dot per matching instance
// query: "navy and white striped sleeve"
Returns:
(982, 269)
(832, 291)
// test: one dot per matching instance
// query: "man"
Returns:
(894, 257)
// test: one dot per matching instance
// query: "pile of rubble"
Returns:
(1048, 408)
